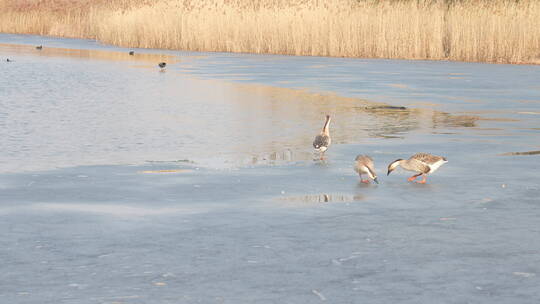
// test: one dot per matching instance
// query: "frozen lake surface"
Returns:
(123, 184)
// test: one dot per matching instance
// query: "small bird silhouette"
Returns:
(39, 47)
(131, 53)
(9, 60)
(162, 64)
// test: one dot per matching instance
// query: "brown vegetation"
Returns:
(506, 31)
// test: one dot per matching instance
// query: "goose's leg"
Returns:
(362, 180)
(423, 181)
(413, 177)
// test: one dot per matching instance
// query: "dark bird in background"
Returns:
(162, 65)
(39, 47)
(131, 53)
(323, 140)
(9, 60)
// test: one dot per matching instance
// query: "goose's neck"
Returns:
(325, 129)
(405, 164)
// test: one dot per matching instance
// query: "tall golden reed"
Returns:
(505, 31)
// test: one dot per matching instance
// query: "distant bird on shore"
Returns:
(364, 165)
(39, 47)
(9, 60)
(422, 163)
(323, 140)
(162, 65)
(132, 53)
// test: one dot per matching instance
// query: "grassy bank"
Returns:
(506, 31)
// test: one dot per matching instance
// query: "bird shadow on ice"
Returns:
(361, 185)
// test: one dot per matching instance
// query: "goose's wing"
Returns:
(419, 166)
(371, 168)
(427, 158)
(420, 162)
(321, 140)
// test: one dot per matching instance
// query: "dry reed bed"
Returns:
(506, 31)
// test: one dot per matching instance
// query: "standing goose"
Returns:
(323, 140)
(422, 163)
(364, 165)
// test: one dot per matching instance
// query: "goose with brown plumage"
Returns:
(323, 140)
(364, 165)
(421, 163)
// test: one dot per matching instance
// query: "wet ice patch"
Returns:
(521, 153)
(166, 171)
(111, 209)
(524, 274)
(398, 85)
(529, 113)
(319, 294)
(447, 219)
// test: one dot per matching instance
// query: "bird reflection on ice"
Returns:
(323, 198)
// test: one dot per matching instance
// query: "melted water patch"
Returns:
(95, 107)
(166, 171)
